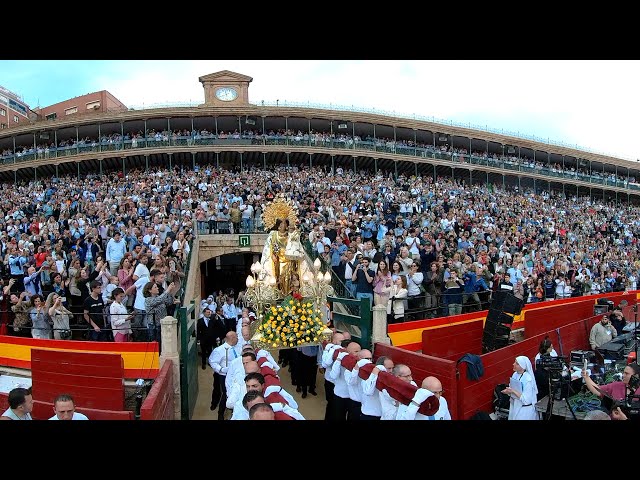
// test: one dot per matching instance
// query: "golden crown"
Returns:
(280, 208)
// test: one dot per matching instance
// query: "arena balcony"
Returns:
(304, 134)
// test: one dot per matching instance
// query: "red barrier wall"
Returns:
(159, 404)
(498, 365)
(537, 321)
(95, 380)
(44, 411)
(453, 341)
(423, 366)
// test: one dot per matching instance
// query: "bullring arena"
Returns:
(88, 196)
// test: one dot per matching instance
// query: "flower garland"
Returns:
(293, 323)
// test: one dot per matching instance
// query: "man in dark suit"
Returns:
(220, 325)
(206, 334)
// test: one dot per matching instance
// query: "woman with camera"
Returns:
(59, 315)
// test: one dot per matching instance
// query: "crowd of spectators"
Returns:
(138, 139)
(63, 235)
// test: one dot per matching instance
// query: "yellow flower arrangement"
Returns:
(291, 324)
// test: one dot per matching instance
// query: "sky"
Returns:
(590, 104)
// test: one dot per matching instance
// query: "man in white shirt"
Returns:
(237, 372)
(371, 408)
(432, 386)
(141, 268)
(340, 390)
(230, 312)
(65, 409)
(254, 380)
(391, 407)
(326, 363)
(220, 359)
(115, 250)
(354, 385)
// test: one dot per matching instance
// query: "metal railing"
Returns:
(79, 329)
(393, 114)
(291, 141)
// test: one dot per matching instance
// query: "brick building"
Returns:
(13, 110)
(101, 101)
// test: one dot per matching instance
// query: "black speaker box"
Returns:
(507, 302)
(496, 316)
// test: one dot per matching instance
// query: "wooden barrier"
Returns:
(453, 341)
(159, 404)
(466, 397)
(424, 366)
(141, 359)
(95, 380)
(408, 335)
(44, 410)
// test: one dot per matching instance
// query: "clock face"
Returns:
(226, 94)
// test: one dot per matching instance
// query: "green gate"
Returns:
(357, 318)
(188, 360)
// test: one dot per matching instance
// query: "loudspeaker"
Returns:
(493, 342)
(507, 302)
(496, 316)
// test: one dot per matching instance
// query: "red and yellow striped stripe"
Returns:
(141, 359)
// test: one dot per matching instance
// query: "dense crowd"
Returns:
(152, 137)
(445, 242)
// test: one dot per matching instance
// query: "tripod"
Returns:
(555, 389)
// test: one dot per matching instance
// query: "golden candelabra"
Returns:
(261, 292)
(318, 286)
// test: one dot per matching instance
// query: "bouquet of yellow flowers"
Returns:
(293, 323)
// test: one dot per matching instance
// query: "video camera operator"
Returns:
(541, 374)
(617, 390)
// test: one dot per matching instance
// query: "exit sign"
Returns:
(244, 240)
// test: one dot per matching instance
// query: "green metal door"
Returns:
(356, 317)
(188, 361)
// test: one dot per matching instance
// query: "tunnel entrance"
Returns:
(226, 272)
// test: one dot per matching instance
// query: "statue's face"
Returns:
(282, 228)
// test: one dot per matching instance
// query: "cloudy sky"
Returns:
(592, 104)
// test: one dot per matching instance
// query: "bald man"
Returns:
(246, 336)
(433, 385)
(340, 390)
(326, 361)
(389, 405)
(354, 387)
(371, 408)
(220, 359)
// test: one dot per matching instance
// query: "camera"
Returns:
(551, 364)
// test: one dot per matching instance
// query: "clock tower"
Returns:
(225, 89)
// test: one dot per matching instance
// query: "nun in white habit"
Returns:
(522, 391)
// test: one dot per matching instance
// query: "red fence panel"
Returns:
(159, 404)
(424, 366)
(95, 380)
(453, 341)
